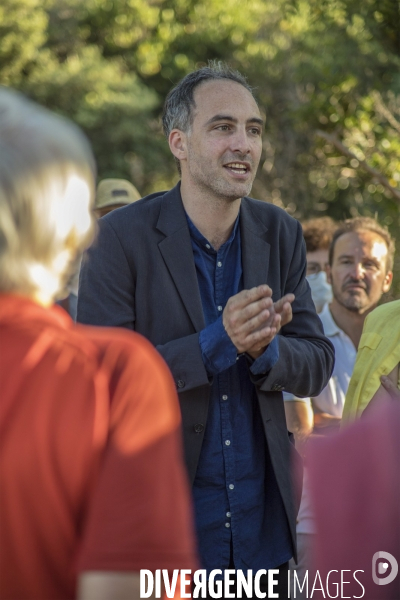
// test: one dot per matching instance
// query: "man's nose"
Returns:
(240, 141)
(358, 270)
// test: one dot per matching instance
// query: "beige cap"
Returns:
(115, 191)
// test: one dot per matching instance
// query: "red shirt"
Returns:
(91, 469)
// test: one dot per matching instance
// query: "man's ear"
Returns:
(387, 282)
(328, 274)
(177, 144)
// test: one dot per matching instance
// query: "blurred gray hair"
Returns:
(179, 104)
(47, 177)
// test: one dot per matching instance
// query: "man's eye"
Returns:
(255, 131)
(223, 127)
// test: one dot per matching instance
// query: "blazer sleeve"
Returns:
(185, 361)
(306, 356)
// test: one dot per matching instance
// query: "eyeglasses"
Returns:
(313, 268)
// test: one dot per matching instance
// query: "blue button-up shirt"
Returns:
(236, 497)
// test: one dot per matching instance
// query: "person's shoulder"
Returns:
(266, 210)
(148, 202)
(133, 223)
(85, 345)
(117, 336)
(63, 347)
(141, 208)
(138, 373)
(387, 314)
(128, 347)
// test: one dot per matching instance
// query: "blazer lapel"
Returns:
(255, 248)
(176, 250)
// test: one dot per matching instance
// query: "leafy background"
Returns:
(326, 72)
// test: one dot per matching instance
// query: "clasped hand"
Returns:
(252, 319)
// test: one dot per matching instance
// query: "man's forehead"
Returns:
(225, 97)
(361, 243)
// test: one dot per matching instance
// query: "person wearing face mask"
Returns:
(360, 261)
(318, 236)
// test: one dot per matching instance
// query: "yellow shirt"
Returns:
(378, 354)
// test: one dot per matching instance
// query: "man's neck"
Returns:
(214, 217)
(349, 321)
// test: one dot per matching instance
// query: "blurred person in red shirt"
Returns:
(92, 483)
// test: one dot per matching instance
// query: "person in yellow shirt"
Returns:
(376, 372)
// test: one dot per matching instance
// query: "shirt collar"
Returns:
(198, 237)
(330, 327)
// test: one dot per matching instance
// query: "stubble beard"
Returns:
(215, 184)
(352, 302)
(228, 193)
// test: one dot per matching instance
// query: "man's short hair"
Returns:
(318, 233)
(47, 176)
(179, 104)
(364, 224)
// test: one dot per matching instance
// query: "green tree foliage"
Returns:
(23, 31)
(326, 72)
(44, 52)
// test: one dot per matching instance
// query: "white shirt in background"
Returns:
(330, 400)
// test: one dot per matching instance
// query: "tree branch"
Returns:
(384, 111)
(332, 139)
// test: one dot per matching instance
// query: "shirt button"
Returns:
(231, 486)
(199, 427)
(224, 397)
(180, 383)
(219, 264)
(227, 442)
(228, 514)
(208, 246)
(219, 308)
(227, 524)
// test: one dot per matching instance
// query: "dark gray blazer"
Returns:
(140, 274)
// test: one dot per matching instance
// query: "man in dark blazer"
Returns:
(216, 281)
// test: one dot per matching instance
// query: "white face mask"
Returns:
(321, 291)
